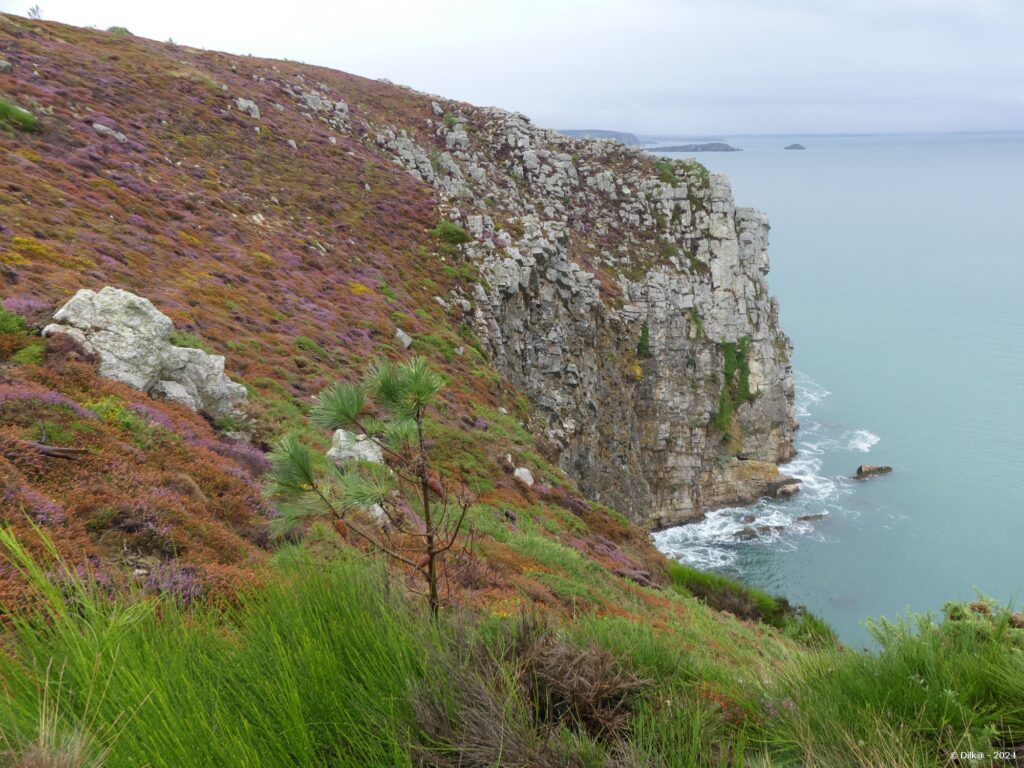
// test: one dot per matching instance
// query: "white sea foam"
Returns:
(718, 540)
(860, 440)
(808, 394)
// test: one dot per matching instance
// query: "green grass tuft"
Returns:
(15, 116)
(451, 233)
(188, 340)
(667, 172)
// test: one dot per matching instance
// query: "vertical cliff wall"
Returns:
(627, 298)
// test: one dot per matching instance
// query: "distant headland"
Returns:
(711, 146)
(623, 138)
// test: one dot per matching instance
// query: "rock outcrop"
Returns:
(619, 297)
(865, 471)
(132, 341)
(347, 446)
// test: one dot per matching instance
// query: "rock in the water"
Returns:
(749, 533)
(348, 446)
(870, 470)
(249, 107)
(787, 490)
(107, 131)
(795, 146)
(748, 519)
(812, 518)
(131, 339)
(403, 337)
(524, 476)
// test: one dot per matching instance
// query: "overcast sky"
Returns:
(647, 66)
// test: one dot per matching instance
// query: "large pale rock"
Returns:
(202, 376)
(106, 130)
(524, 476)
(249, 107)
(132, 340)
(347, 446)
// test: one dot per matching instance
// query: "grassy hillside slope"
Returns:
(150, 619)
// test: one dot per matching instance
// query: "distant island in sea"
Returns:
(711, 146)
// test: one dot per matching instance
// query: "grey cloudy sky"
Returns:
(648, 66)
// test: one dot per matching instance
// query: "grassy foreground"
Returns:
(332, 666)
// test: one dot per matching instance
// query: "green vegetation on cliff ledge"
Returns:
(643, 347)
(667, 172)
(736, 381)
(450, 232)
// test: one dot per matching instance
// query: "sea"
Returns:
(898, 262)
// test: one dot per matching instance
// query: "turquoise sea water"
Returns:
(898, 262)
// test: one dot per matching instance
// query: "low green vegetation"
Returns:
(330, 665)
(699, 170)
(667, 172)
(13, 116)
(17, 344)
(406, 500)
(736, 381)
(187, 339)
(643, 347)
(451, 233)
(307, 344)
(724, 594)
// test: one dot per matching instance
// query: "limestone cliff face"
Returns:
(612, 290)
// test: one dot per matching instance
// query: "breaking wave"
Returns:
(717, 541)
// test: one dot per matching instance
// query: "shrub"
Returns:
(515, 694)
(15, 116)
(402, 394)
(449, 232)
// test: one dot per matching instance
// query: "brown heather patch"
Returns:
(120, 506)
(296, 265)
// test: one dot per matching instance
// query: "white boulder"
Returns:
(132, 340)
(524, 476)
(347, 446)
(249, 107)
